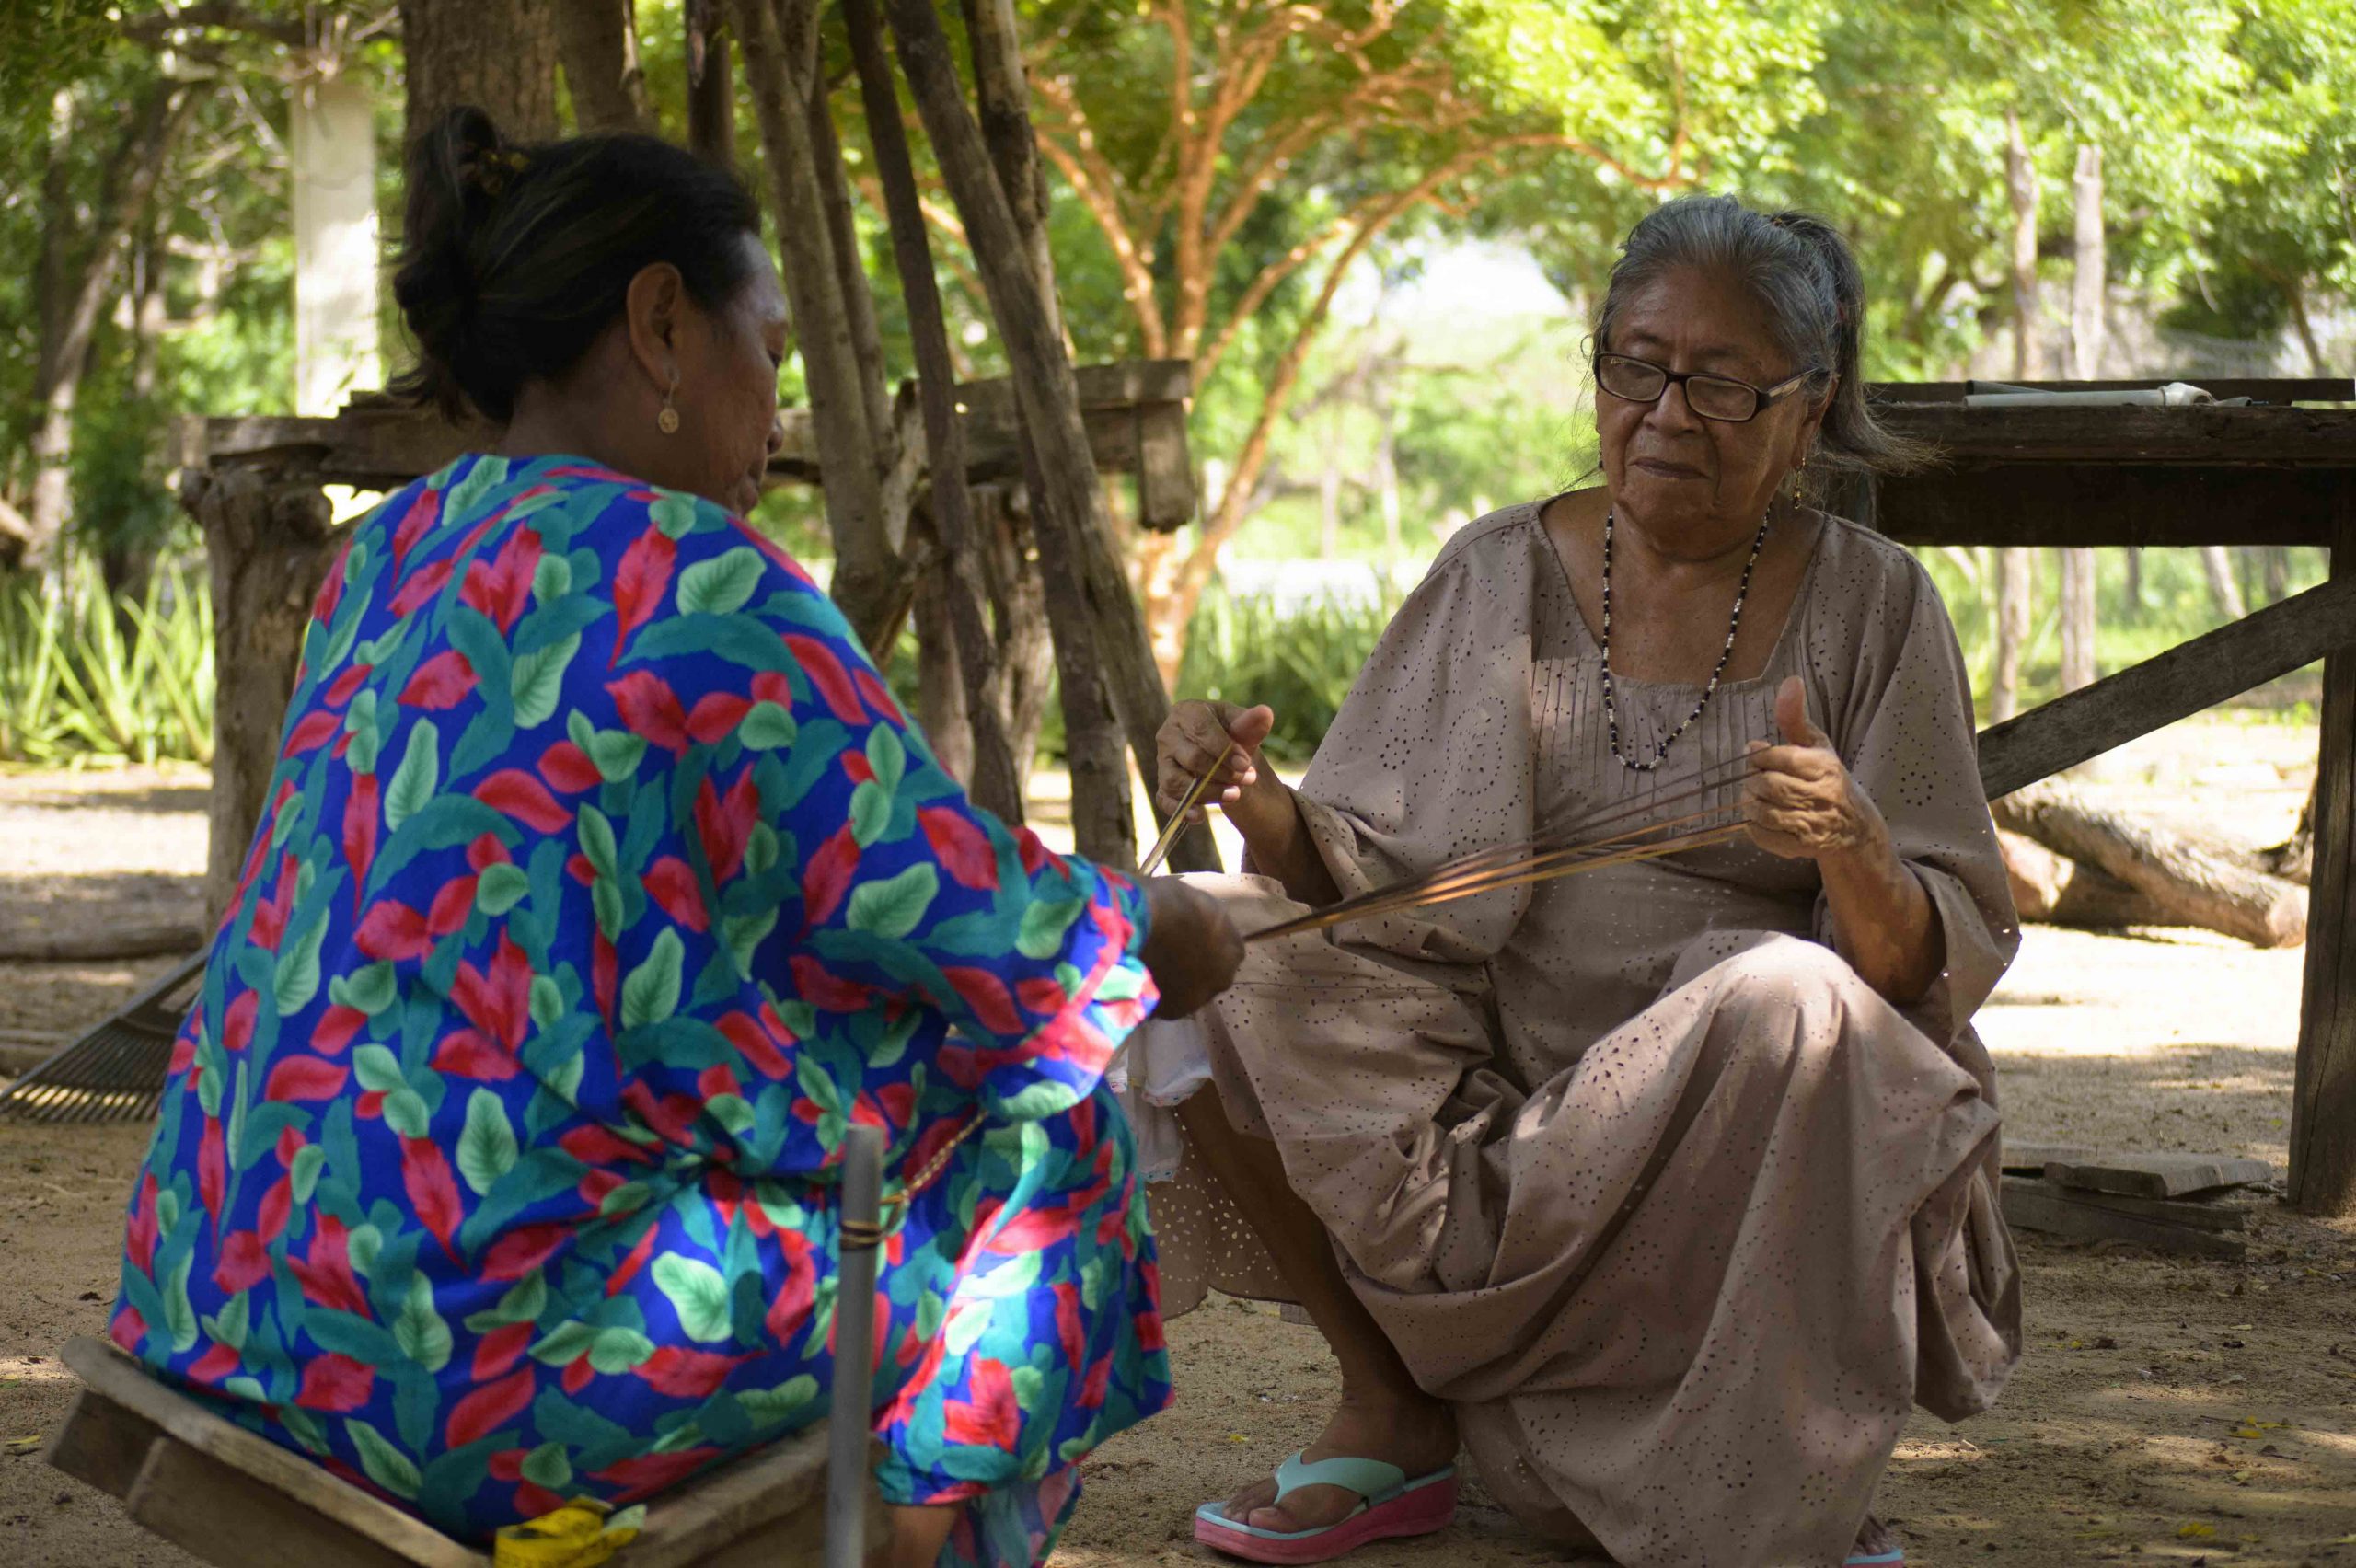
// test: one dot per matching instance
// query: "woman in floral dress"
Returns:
(601, 888)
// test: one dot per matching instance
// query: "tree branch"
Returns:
(217, 14)
(1093, 179)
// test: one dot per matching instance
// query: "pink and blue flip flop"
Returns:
(1394, 1506)
(1878, 1559)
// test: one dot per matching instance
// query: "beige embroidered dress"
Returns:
(1632, 1167)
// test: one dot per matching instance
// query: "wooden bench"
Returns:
(235, 1498)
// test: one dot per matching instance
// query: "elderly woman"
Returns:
(603, 886)
(1665, 1187)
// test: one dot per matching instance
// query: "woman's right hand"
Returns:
(1191, 948)
(1189, 745)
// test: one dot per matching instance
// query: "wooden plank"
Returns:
(2097, 503)
(386, 449)
(744, 1497)
(2199, 1214)
(2157, 1175)
(107, 1372)
(2031, 1159)
(225, 1516)
(2172, 686)
(1166, 498)
(2323, 1102)
(102, 1442)
(2031, 1205)
(2290, 390)
(2207, 435)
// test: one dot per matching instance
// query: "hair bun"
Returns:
(516, 258)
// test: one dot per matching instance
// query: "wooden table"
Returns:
(2095, 478)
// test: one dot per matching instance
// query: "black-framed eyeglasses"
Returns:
(1720, 397)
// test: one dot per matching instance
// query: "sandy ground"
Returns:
(2167, 1412)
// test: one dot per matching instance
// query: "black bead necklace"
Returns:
(1610, 711)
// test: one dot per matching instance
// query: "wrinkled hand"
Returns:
(1188, 747)
(1799, 801)
(1191, 948)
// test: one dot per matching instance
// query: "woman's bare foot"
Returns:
(1873, 1538)
(1418, 1435)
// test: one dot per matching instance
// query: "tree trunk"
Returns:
(1023, 639)
(2199, 884)
(2088, 264)
(2014, 567)
(1386, 485)
(2217, 563)
(1064, 473)
(1329, 499)
(71, 290)
(129, 562)
(957, 665)
(269, 547)
(711, 86)
(2079, 617)
(2274, 565)
(941, 704)
(867, 581)
(499, 55)
(1134, 681)
(2295, 291)
(2134, 583)
(598, 40)
(2020, 185)
(1002, 89)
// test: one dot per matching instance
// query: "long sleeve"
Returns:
(1430, 756)
(1903, 726)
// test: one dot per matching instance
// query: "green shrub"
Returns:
(90, 676)
(1302, 664)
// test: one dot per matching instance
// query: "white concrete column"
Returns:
(334, 153)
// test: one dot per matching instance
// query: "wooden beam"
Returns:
(2290, 390)
(2202, 435)
(2174, 684)
(2323, 1103)
(2097, 504)
(379, 446)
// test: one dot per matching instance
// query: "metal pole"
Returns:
(859, 1232)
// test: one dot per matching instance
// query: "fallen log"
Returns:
(2057, 891)
(2200, 884)
(152, 941)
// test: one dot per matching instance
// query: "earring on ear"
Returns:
(667, 422)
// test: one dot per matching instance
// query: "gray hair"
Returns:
(1804, 276)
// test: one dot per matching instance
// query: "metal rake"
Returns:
(116, 1072)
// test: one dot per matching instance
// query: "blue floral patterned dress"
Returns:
(603, 885)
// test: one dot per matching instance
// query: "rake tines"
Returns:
(116, 1072)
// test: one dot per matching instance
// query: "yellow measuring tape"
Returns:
(582, 1534)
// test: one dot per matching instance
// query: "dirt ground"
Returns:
(2167, 1411)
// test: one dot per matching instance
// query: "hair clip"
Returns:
(494, 169)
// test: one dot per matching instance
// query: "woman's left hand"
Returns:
(1799, 801)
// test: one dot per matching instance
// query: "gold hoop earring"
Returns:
(667, 422)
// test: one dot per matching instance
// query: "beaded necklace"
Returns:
(1610, 711)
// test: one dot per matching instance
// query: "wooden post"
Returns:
(950, 600)
(711, 86)
(269, 545)
(1065, 499)
(2323, 1107)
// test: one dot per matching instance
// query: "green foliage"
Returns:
(1302, 664)
(89, 676)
